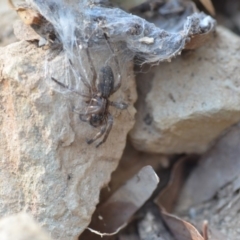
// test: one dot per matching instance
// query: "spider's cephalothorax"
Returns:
(101, 87)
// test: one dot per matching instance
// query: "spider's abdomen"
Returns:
(106, 81)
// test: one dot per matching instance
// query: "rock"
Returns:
(211, 191)
(131, 163)
(21, 227)
(47, 168)
(185, 105)
(8, 17)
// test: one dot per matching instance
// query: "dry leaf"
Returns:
(169, 195)
(167, 198)
(181, 229)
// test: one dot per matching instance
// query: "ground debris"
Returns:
(212, 191)
(169, 195)
(152, 225)
(111, 216)
(181, 229)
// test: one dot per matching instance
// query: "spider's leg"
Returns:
(84, 117)
(119, 77)
(68, 88)
(108, 129)
(93, 70)
(99, 134)
(78, 75)
(119, 105)
(93, 110)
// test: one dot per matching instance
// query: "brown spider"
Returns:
(101, 88)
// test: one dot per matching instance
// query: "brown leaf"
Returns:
(167, 198)
(169, 195)
(181, 229)
(211, 233)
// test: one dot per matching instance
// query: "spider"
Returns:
(101, 88)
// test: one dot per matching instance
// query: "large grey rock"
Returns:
(8, 17)
(21, 227)
(46, 166)
(184, 105)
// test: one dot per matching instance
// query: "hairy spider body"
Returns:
(99, 90)
(97, 113)
(106, 82)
